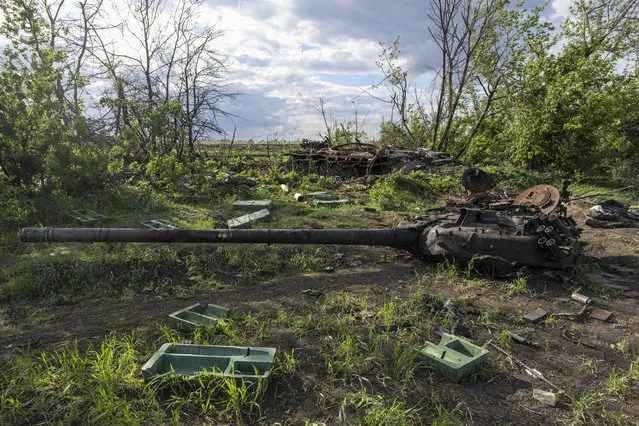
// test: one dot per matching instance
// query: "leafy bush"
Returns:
(75, 168)
(15, 207)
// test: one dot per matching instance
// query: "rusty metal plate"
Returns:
(476, 180)
(600, 314)
(546, 197)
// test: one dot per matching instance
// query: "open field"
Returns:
(77, 322)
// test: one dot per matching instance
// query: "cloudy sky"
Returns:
(285, 54)
(288, 53)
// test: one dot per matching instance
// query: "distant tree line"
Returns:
(142, 78)
(510, 87)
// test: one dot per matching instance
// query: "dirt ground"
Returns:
(505, 397)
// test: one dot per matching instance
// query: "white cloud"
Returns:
(286, 53)
(560, 9)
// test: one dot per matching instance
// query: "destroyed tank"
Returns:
(530, 231)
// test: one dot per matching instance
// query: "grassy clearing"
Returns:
(101, 384)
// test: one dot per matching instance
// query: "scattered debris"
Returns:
(600, 314)
(546, 398)
(312, 292)
(284, 188)
(611, 214)
(197, 361)
(359, 159)
(477, 181)
(530, 371)
(247, 219)
(536, 316)
(454, 357)
(577, 297)
(86, 215)
(321, 195)
(573, 315)
(253, 205)
(521, 340)
(575, 337)
(159, 224)
(198, 316)
(329, 203)
(299, 197)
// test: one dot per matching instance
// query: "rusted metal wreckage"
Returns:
(361, 159)
(531, 230)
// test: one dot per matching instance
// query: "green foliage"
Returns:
(15, 207)
(314, 182)
(166, 171)
(400, 191)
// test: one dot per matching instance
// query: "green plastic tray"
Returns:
(159, 224)
(454, 357)
(196, 316)
(246, 220)
(195, 361)
(86, 215)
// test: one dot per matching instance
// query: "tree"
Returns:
(481, 44)
(575, 110)
(41, 131)
(31, 114)
(169, 91)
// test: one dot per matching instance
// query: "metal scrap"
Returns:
(476, 180)
(611, 214)
(600, 314)
(545, 197)
(361, 159)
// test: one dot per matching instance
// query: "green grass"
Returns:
(411, 192)
(518, 286)
(349, 353)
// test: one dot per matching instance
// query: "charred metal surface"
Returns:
(515, 236)
(405, 238)
(476, 180)
(360, 159)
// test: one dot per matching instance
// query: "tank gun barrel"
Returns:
(406, 237)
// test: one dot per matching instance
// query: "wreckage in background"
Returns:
(531, 230)
(361, 159)
(612, 214)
